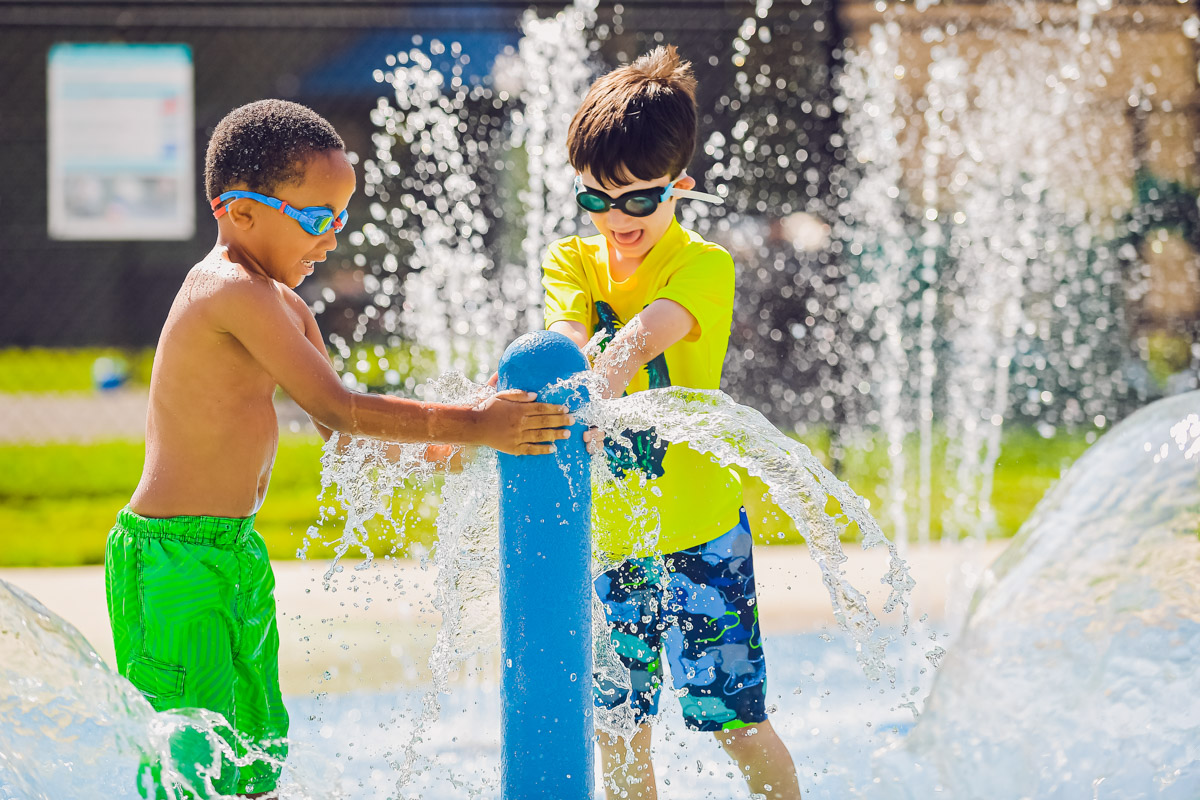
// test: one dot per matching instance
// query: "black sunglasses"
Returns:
(638, 203)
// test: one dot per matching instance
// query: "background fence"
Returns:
(1109, 324)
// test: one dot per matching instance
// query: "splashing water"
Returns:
(441, 197)
(708, 421)
(978, 264)
(71, 728)
(366, 474)
(555, 75)
(467, 551)
(1078, 672)
(1078, 663)
(986, 262)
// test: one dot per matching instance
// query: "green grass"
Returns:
(1028, 465)
(58, 501)
(39, 369)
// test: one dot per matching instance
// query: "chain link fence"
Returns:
(79, 316)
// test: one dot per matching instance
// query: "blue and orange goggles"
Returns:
(314, 219)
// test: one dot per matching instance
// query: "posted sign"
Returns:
(120, 142)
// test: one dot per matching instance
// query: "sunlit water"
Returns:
(988, 266)
(411, 742)
(973, 261)
(72, 728)
(1078, 672)
(365, 474)
(87, 741)
(1075, 675)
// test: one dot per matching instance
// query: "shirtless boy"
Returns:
(190, 590)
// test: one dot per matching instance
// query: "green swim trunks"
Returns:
(192, 606)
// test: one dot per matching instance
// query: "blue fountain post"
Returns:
(545, 591)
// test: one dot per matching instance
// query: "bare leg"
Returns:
(763, 759)
(628, 773)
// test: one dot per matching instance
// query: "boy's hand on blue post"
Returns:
(593, 437)
(514, 423)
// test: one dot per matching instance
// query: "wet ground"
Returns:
(374, 628)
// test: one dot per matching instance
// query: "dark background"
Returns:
(322, 54)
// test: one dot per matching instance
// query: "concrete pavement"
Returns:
(375, 627)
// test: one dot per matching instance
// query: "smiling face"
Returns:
(631, 238)
(273, 243)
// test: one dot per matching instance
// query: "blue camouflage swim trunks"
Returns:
(699, 606)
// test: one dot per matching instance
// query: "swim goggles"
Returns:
(314, 219)
(638, 203)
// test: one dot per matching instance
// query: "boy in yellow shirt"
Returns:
(663, 298)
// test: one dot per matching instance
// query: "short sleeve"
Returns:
(565, 284)
(704, 286)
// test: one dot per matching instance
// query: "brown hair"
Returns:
(638, 122)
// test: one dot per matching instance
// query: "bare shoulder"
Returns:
(295, 302)
(216, 277)
(298, 311)
(228, 292)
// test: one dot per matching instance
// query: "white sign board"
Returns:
(120, 142)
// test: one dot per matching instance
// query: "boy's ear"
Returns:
(241, 214)
(686, 182)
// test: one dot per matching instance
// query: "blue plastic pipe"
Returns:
(547, 749)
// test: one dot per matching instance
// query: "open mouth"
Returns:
(627, 238)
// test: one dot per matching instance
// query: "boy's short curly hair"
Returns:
(638, 122)
(262, 145)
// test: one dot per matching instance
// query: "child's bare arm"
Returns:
(312, 332)
(660, 325)
(572, 330)
(255, 314)
(444, 456)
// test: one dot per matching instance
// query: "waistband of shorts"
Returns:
(227, 533)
